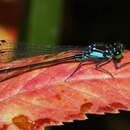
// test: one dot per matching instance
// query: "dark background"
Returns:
(95, 122)
(85, 20)
(95, 20)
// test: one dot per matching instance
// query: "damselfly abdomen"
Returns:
(99, 53)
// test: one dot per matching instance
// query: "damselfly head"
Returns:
(118, 50)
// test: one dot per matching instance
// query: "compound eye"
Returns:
(117, 48)
(118, 52)
(118, 55)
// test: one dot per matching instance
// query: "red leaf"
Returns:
(41, 97)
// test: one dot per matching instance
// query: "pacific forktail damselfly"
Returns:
(99, 53)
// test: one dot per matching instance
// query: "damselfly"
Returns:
(99, 53)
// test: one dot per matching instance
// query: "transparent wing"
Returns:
(10, 50)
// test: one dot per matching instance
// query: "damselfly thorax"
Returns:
(99, 53)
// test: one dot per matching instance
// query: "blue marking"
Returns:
(97, 54)
(114, 49)
(94, 48)
(85, 57)
(107, 51)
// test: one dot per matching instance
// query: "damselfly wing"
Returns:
(99, 53)
(7, 50)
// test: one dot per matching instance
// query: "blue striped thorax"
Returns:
(109, 51)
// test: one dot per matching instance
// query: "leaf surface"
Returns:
(41, 97)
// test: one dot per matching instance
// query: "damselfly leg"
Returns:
(102, 62)
(119, 66)
(74, 71)
(98, 53)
